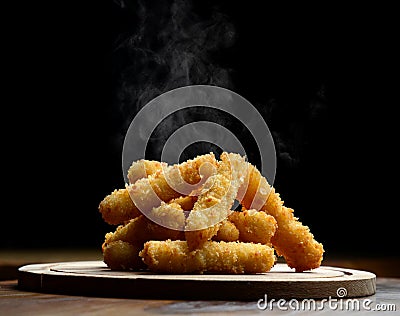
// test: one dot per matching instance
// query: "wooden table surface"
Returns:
(16, 302)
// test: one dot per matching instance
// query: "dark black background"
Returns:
(323, 77)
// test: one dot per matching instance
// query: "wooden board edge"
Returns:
(76, 284)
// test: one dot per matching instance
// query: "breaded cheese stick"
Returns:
(121, 248)
(292, 239)
(254, 192)
(170, 182)
(214, 205)
(227, 232)
(142, 168)
(221, 257)
(141, 229)
(254, 226)
(118, 207)
(121, 255)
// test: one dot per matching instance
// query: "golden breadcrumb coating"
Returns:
(141, 229)
(121, 248)
(169, 215)
(254, 192)
(161, 186)
(118, 207)
(218, 257)
(142, 168)
(121, 255)
(227, 232)
(292, 239)
(186, 202)
(193, 201)
(254, 226)
(214, 205)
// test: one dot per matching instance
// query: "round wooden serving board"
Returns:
(94, 278)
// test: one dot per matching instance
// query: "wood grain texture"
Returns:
(93, 278)
(14, 301)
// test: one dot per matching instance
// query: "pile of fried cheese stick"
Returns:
(179, 219)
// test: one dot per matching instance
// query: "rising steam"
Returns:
(171, 47)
